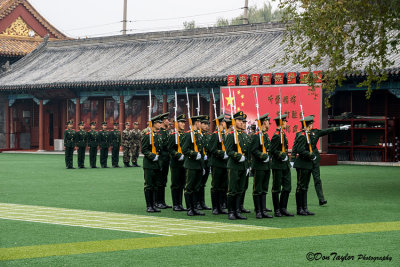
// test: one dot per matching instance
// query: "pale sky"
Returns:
(91, 18)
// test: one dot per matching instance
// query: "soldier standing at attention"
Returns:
(200, 200)
(126, 144)
(164, 159)
(104, 144)
(151, 163)
(218, 159)
(69, 144)
(281, 179)
(93, 137)
(261, 167)
(246, 185)
(194, 165)
(238, 167)
(115, 142)
(176, 165)
(81, 143)
(136, 136)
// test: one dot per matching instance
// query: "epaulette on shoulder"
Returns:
(216, 132)
(276, 132)
(147, 133)
(187, 132)
(232, 132)
(173, 133)
(303, 133)
(257, 133)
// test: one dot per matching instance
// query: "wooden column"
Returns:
(211, 113)
(41, 126)
(7, 113)
(121, 113)
(165, 104)
(77, 113)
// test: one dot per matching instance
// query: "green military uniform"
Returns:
(164, 159)
(69, 144)
(126, 145)
(104, 144)
(176, 166)
(238, 169)
(93, 143)
(135, 145)
(81, 142)
(115, 142)
(280, 172)
(194, 168)
(151, 166)
(218, 160)
(261, 170)
(201, 204)
(246, 185)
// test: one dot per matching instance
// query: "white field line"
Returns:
(117, 221)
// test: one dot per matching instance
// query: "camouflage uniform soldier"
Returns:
(81, 143)
(126, 144)
(115, 142)
(93, 143)
(69, 144)
(104, 144)
(136, 136)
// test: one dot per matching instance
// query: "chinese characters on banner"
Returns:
(269, 98)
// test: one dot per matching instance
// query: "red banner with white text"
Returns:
(269, 98)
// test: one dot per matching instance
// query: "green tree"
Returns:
(188, 25)
(342, 37)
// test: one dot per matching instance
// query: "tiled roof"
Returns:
(17, 46)
(175, 57)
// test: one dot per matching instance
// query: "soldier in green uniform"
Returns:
(193, 164)
(281, 179)
(135, 145)
(69, 144)
(200, 199)
(115, 142)
(93, 143)
(152, 164)
(81, 143)
(218, 160)
(246, 185)
(126, 144)
(104, 144)
(238, 167)
(176, 164)
(261, 167)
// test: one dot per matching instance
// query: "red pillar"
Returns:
(41, 125)
(211, 113)
(77, 113)
(7, 125)
(165, 104)
(121, 113)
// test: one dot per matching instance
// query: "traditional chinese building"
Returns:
(109, 78)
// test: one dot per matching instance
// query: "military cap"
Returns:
(244, 117)
(284, 116)
(92, 123)
(205, 119)
(70, 122)
(220, 118)
(238, 115)
(181, 118)
(81, 123)
(309, 119)
(104, 123)
(136, 123)
(196, 118)
(164, 116)
(127, 123)
(157, 118)
(264, 117)
(115, 123)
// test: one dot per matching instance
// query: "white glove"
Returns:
(285, 159)
(156, 158)
(198, 157)
(181, 158)
(205, 157)
(345, 127)
(315, 157)
(266, 160)
(204, 171)
(247, 171)
(225, 155)
(291, 164)
(242, 159)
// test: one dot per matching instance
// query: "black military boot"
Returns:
(158, 199)
(153, 201)
(257, 207)
(195, 204)
(224, 200)
(264, 200)
(263, 204)
(175, 200)
(148, 197)
(231, 207)
(322, 202)
(283, 204)
(188, 200)
(221, 198)
(305, 204)
(242, 209)
(134, 164)
(275, 202)
(162, 197)
(196, 199)
(299, 204)
(126, 164)
(238, 214)
(180, 195)
(215, 202)
(202, 199)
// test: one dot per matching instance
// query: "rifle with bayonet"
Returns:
(192, 137)
(153, 148)
(280, 120)
(304, 125)
(259, 123)
(177, 142)
(217, 121)
(235, 134)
